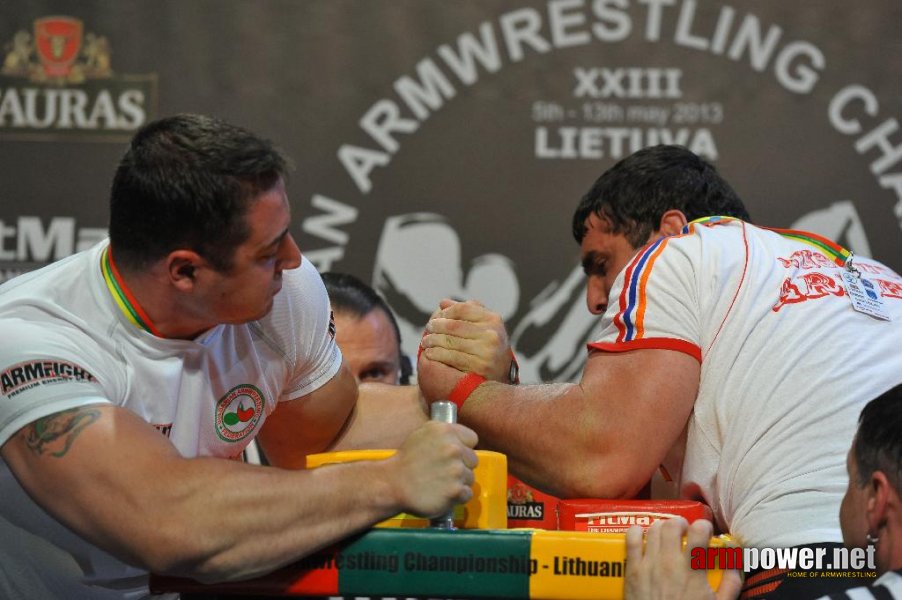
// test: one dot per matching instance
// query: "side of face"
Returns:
(369, 346)
(245, 293)
(853, 509)
(604, 255)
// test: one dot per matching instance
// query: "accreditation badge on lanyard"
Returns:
(863, 293)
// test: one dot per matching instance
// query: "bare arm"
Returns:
(384, 416)
(118, 483)
(336, 417)
(603, 437)
(309, 424)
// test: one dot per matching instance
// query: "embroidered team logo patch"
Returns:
(238, 412)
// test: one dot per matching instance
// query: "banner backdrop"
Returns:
(441, 147)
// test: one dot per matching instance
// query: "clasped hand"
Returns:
(461, 337)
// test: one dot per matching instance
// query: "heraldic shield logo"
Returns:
(58, 51)
(58, 40)
(238, 412)
(57, 83)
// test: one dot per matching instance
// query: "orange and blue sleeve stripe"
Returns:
(630, 320)
(633, 302)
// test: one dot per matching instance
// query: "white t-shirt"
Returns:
(66, 343)
(787, 365)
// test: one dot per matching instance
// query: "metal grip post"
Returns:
(446, 412)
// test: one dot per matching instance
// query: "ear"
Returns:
(879, 491)
(672, 223)
(182, 266)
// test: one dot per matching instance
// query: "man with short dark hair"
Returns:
(871, 511)
(636, 193)
(134, 374)
(732, 357)
(366, 331)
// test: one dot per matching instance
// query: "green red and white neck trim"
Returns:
(123, 297)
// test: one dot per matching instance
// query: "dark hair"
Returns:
(878, 443)
(636, 192)
(348, 294)
(186, 181)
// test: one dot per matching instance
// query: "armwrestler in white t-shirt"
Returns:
(133, 374)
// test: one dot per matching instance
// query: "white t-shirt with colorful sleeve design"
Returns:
(787, 364)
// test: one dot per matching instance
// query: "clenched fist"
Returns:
(433, 469)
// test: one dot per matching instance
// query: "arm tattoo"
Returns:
(58, 431)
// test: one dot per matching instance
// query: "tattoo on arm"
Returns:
(55, 433)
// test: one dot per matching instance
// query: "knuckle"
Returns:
(459, 472)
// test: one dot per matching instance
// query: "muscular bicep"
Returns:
(89, 468)
(309, 424)
(643, 399)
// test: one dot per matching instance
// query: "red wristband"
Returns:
(464, 388)
(420, 348)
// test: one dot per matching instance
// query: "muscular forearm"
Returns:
(556, 439)
(206, 518)
(602, 437)
(288, 514)
(383, 418)
(234, 521)
(120, 485)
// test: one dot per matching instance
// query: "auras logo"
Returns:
(533, 511)
(521, 504)
(57, 82)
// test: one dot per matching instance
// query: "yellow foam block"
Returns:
(487, 509)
